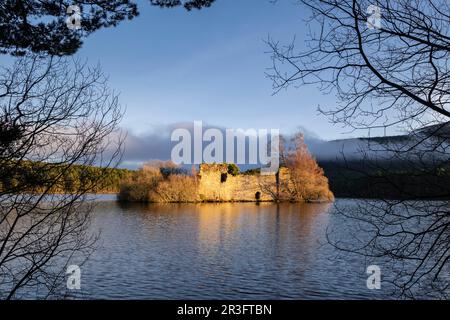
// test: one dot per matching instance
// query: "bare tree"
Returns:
(55, 113)
(303, 180)
(388, 64)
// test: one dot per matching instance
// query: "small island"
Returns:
(299, 179)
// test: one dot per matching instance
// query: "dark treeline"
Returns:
(387, 179)
(60, 178)
(350, 179)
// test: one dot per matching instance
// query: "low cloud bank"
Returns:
(156, 144)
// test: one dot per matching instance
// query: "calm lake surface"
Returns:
(221, 251)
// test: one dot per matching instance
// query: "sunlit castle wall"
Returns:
(216, 184)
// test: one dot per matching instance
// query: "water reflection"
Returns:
(223, 251)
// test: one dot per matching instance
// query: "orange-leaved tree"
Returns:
(307, 180)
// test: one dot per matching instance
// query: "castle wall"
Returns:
(215, 184)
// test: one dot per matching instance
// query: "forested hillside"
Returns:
(28, 176)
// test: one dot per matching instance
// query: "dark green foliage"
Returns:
(40, 25)
(29, 176)
(189, 5)
(167, 171)
(252, 172)
(233, 169)
(9, 134)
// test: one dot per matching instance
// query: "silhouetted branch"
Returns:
(65, 116)
(391, 76)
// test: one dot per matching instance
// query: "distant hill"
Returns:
(351, 148)
(363, 167)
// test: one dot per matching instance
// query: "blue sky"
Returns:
(173, 66)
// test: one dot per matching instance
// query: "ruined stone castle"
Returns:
(217, 184)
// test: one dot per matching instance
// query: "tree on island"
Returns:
(306, 182)
(160, 181)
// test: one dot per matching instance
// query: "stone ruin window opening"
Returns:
(223, 177)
